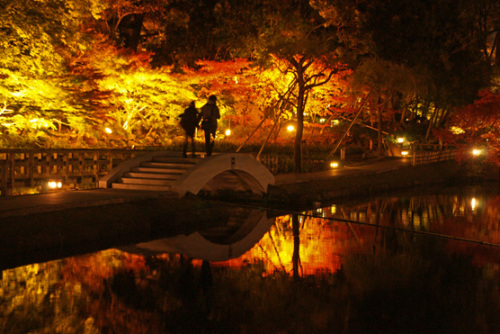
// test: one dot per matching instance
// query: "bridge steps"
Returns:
(156, 182)
(153, 170)
(159, 174)
(167, 165)
(140, 187)
(144, 175)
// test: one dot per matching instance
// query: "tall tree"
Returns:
(294, 37)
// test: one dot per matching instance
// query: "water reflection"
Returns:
(239, 234)
(315, 271)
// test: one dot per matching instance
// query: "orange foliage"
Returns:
(92, 271)
(476, 124)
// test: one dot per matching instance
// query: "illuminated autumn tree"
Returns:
(293, 33)
(63, 81)
(36, 40)
(476, 125)
(142, 103)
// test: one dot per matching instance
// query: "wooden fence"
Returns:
(428, 153)
(75, 168)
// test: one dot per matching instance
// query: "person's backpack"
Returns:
(206, 123)
(189, 119)
(184, 122)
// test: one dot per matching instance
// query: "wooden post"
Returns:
(31, 167)
(96, 166)
(46, 170)
(81, 158)
(110, 161)
(65, 167)
(3, 185)
(11, 178)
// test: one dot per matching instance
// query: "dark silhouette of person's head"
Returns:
(191, 104)
(212, 98)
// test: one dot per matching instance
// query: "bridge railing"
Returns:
(80, 168)
(428, 153)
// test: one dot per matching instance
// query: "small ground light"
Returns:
(108, 130)
(228, 132)
(334, 164)
(400, 140)
(473, 203)
(290, 128)
(54, 184)
(404, 153)
(476, 152)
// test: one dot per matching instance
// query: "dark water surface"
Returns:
(409, 263)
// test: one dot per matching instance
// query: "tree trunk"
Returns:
(380, 148)
(300, 126)
(497, 45)
(296, 246)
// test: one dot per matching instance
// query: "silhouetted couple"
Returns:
(191, 118)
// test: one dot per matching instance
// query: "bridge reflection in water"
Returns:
(243, 229)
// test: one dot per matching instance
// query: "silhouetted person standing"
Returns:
(189, 122)
(210, 114)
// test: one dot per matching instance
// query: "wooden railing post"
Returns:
(31, 167)
(96, 166)
(11, 175)
(110, 161)
(3, 185)
(81, 159)
(65, 167)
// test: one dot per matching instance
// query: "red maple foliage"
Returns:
(476, 125)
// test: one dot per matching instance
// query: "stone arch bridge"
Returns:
(164, 171)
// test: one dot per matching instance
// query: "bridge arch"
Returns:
(244, 167)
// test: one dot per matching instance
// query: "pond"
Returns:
(424, 262)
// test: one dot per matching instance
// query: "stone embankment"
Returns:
(373, 182)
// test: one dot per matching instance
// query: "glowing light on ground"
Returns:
(54, 184)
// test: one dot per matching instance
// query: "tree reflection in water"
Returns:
(307, 274)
